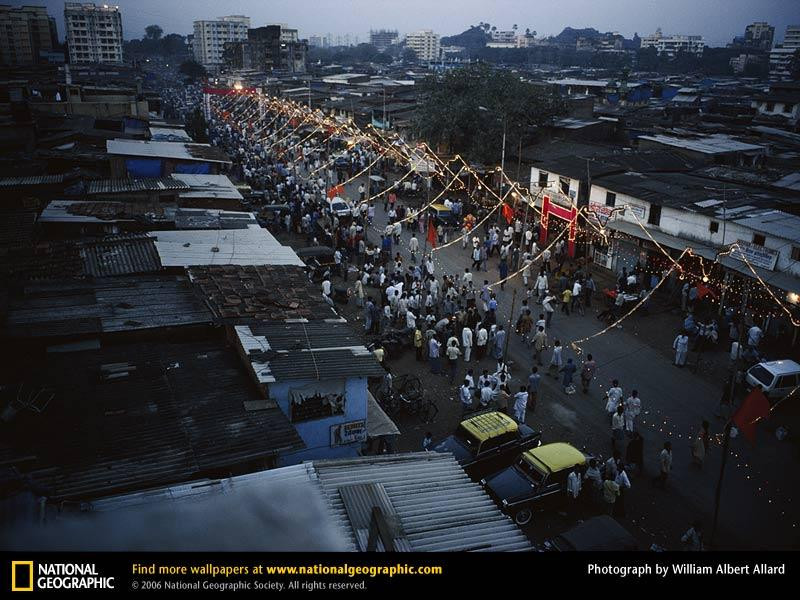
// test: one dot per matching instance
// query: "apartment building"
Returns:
(210, 38)
(671, 45)
(25, 32)
(426, 45)
(94, 33)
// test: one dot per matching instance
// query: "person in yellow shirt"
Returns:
(566, 300)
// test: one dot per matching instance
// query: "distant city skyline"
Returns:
(718, 21)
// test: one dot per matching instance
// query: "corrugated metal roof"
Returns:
(127, 185)
(135, 416)
(20, 182)
(208, 186)
(128, 303)
(436, 506)
(439, 507)
(209, 218)
(251, 246)
(120, 255)
(172, 150)
(318, 350)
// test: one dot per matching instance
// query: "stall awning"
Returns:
(378, 422)
(779, 279)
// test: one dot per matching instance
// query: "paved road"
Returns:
(756, 502)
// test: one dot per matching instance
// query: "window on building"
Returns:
(563, 184)
(713, 226)
(759, 240)
(317, 406)
(795, 252)
(654, 218)
(542, 179)
(611, 199)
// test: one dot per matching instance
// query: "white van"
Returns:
(776, 378)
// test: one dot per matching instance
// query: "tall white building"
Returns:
(791, 38)
(670, 45)
(425, 43)
(94, 33)
(210, 37)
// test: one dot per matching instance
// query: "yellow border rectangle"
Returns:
(14, 563)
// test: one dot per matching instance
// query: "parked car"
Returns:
(340, 207)
(536, 480)
(488, 441)
(598, 534)
(776, 378)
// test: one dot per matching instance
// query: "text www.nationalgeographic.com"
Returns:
(353, 571)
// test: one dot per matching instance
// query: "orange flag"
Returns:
(754, 407)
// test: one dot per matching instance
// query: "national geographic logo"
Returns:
(27, 576)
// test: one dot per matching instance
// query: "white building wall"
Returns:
(693, 227)
(93, 33)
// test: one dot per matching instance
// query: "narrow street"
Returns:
(674, 403)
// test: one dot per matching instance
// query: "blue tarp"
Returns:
(193, 168)
(143, 167)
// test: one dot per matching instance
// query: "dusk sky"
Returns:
(717, 20)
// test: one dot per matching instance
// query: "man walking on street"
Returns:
(665, 466)
(539, 345)
(465, 394)
(534, 379)
(466, 341)
(520, 404)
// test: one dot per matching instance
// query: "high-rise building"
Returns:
(425, 44)
(267, 49)
(210, 38)
(670, 45)
(383, 38)
(759, 35)
(94, 33)
(25, 32)
(791, 39)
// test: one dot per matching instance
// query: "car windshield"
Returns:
(762, 375)
(339, 206)
(533, 472)
(466, 438)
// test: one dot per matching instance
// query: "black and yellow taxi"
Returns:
(536, 480)
(488, 441)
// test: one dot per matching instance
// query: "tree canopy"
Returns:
(464, 111)
(153, 32)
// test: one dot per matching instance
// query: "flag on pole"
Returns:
(754, 407)
(508, 213)
(431, 233)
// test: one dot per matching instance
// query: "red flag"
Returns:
(508, 213)
(754, 407)
(431, 233)
(336, 190)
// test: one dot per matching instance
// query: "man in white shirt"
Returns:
(411, 320)
(465, 393)
(466, 340)
(754, 336)
(486, 393)
(481, 340)
(413, 247)
(326, 288)
(520, 404)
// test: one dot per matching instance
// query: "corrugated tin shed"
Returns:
(251, 246)
(439, 508)
(209, 218)
(11, 183)
(171, 150)
(317, 350)
(434, 507)
(136, 416)
(129, 303)
(134, 184)
(208, 186)
(120, 255)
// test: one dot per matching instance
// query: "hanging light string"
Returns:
(601, 231)
(474, 227)
(429, 204)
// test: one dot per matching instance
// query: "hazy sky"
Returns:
(717, 20)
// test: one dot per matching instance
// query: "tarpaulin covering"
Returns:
(143, 167)
(193, 168)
